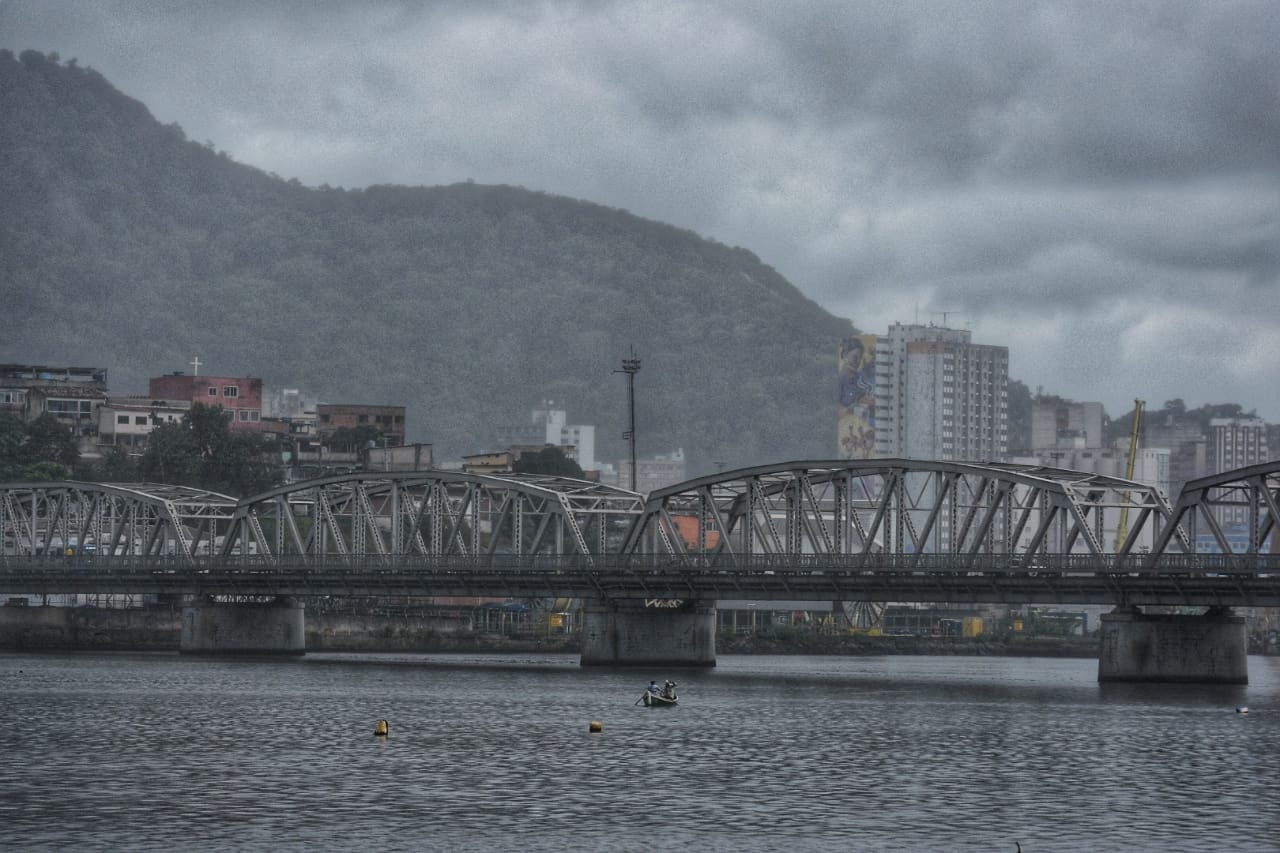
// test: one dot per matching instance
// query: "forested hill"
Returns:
(124, 245)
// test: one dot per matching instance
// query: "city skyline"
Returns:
(271, 395)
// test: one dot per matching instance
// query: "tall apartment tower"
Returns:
(940, 396)
(1236, 443)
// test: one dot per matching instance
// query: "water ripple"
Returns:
(159, 752)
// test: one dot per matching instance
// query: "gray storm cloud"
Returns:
(1095, 185)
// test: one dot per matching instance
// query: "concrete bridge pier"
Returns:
(217, 628)
(649, 632)
(1211, 648)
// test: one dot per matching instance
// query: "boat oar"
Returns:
(641, 699)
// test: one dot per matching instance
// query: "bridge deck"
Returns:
(888, 580)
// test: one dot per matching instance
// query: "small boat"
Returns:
(664, 699)
(657, 700)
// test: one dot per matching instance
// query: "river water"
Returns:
(494, 752)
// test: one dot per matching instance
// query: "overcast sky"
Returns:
(1094, 185)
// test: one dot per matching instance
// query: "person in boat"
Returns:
(654, 689)
(669, 690)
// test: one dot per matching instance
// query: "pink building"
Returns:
(240, 396)
(388, 420)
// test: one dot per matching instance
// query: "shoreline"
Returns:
(859, 645)
(159, 629)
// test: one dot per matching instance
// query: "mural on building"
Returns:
(856, 413)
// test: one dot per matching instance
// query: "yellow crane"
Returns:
(1122, 531)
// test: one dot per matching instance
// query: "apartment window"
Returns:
(364, 419)
(122, 419)
(231, 391)
(244, 414)
(69, 407)
(140, 420)
(213, 390)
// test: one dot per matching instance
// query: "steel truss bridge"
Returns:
(842, 530)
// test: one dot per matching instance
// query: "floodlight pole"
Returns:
(631, 366)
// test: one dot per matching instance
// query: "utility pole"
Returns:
(631, 366)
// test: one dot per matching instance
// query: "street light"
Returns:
(631, 366)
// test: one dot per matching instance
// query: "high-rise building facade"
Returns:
(1236, 443)
(1058, 425)
(940, 396)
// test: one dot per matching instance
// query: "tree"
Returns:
(44, 471)
(241, 467)
(203, 451)
(12, 435)
(1019, 424)
(50, 440)
(116, 466)
(549, 460)
(44, 449)
(352, 439)
(1210, 411)
(171, 456)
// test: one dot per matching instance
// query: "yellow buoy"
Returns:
(597, 726)
(381, 728)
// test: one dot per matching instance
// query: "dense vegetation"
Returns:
(1175, 412)
(43, 449)
(203, 451)
(127, 246)
(549, 460)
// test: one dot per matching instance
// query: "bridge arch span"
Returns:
(1235, 513)
(850, 508)
(433, 514)
(117, 519)
(900, 507)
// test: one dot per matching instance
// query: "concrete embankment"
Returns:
(89, 628)
(346, 633)
(160, 629)
(799, 643)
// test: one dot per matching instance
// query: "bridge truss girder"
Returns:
(136, 519)
(858, 509)
(1246, 497)
(432, 514)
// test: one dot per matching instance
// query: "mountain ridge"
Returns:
(127, 246)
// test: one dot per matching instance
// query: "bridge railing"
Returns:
(1049, 564)
(942, 564)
